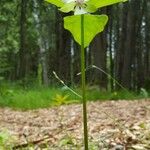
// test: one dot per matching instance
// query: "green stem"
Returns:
(83, 85)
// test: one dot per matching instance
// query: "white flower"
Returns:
(79, 10)
(82, 6)
(79, 6)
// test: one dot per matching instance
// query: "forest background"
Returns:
(33, 44)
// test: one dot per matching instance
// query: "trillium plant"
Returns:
(84, 26)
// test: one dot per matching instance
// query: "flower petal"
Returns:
(79, 10)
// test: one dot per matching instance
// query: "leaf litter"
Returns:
(113, 125)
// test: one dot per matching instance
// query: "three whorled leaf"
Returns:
(93, 24)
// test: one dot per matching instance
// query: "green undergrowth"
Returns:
(43, 97)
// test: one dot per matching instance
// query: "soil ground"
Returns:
(112, 124)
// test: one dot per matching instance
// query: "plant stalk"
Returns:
(83, 85)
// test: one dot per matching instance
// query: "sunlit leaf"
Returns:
(93, 24)
(58, 3)
(90, 8)
(68, 7)
(102, 3)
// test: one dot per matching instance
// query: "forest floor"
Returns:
(112, 125)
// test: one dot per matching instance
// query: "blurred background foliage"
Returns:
(33, 44)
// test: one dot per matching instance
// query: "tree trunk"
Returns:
(99, 49)
(63, 51)
(42, 46)
(122, 31)
(147, 45)
(23, 41)
(110, 48)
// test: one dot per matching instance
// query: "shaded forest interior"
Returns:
(33, 44)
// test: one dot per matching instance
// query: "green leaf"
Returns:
(68, 7)
(102, 3)
(93, 24)
(58, 3)
(90, 8)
